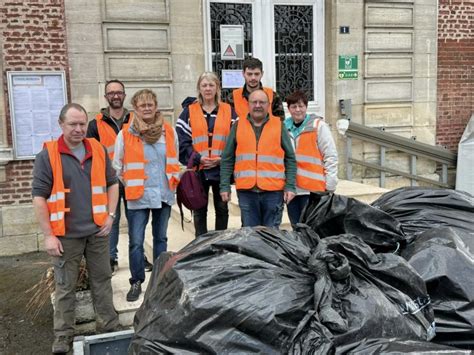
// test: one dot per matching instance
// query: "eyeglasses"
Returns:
(114, 93)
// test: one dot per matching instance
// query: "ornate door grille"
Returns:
(229, 14)
(294, 65)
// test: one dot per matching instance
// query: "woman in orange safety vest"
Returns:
(146, 161)
(315, 150)
(203, 128)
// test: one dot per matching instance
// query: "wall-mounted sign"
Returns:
(344, 30)
(232, 79)
(348, 67)
(36, 98)
(232, 42)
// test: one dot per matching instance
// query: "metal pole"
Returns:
(382, 163)
(413, 182)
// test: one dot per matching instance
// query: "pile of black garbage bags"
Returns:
(396, 276)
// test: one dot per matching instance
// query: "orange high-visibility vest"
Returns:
(261, 164)
(107, 134)
(310, 173)
(241, 105)
(200, 130)
(134, 163)
(56, 201)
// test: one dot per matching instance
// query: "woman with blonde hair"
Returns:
(146, 161)
(203, 128)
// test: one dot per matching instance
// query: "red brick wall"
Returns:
(34, 38)
(455, 70)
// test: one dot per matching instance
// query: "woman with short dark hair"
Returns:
(316, 155)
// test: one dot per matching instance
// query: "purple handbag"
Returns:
(190, 191)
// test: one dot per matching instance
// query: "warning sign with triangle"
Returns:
(229, 52)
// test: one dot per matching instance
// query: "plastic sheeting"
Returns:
(267, 291)
(420, 208)
(440, 224)
(331, 214)
(439, 227)
(397, 347)
(441, 258)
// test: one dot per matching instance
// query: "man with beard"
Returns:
(260, 155)
(105, 128)
(253, 72)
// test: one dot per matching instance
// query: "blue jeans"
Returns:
(137, 221)
(114, 232)
(296, 206)
(260, 208)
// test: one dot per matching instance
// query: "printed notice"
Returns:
(36, 98)
(232, 42)
(232, 79)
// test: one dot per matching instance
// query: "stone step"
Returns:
(362, 192)
(177, 239)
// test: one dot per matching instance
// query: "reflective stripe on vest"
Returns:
(134, 163)
(133, 166)
(259, 165)
(200, 129)
(57, 202)
(241, 105)
(98, 183)
(172, 162)
(310, 170)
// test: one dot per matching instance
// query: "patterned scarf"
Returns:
(151, 132)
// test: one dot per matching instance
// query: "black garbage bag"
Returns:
(444, 262)
(384, 296)
(331, 214)
(226, 292)
(267, 291)
(421, 208)
(397, 346)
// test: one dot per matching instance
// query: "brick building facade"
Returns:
(455, 70)
(33, 38)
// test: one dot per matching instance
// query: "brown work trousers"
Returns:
(66, 271)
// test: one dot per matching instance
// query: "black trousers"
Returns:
(222, 211)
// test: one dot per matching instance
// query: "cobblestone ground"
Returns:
(19, 333)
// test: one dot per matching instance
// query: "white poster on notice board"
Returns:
(36, 98)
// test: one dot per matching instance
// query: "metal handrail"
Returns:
(389, 140)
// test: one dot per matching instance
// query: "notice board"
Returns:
(36, 99)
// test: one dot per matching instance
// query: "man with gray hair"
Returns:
(75, 193)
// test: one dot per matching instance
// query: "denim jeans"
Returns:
(221, 208)
(114, 232)
(260, 208)
(296, 206)
(137, 221)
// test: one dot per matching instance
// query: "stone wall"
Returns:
(455, 70)
(395, 42)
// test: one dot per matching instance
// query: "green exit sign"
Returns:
(348, 67)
